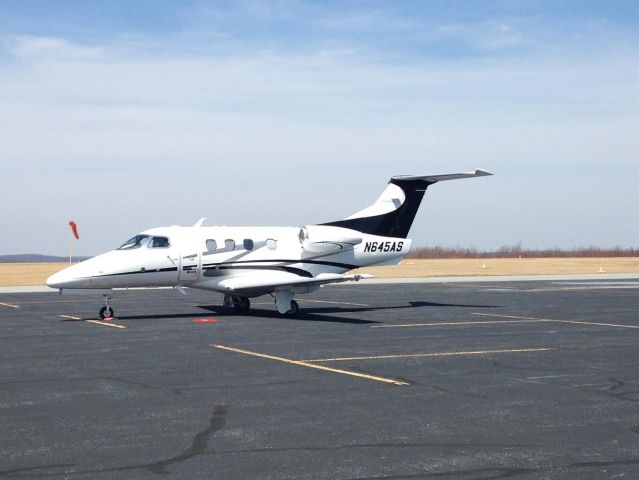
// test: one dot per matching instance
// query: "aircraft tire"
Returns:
(106, 312)
(295, 309)
(241, 304)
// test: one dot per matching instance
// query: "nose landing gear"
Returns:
(106, 311)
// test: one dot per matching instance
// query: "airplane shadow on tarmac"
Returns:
(322, 314)
(309, 314)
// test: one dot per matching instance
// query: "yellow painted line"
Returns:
(310, 365)
(334, 303)
(440, 324)
(10, 305)
(576, 322)
(106, 324)
(437, 354)
(57, 301)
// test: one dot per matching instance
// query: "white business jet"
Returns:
(246, 262)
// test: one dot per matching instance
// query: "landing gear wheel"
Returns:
(295, 309)
(106, 312)
(228, 303)
(241, 304)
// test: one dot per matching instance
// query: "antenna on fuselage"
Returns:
(199, 222)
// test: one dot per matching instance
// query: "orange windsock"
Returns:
(74, 229)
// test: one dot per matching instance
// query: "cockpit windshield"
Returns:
(135, 242)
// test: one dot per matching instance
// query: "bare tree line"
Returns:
(516, 251)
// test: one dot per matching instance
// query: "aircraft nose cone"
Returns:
(70, 277)
(58, 279)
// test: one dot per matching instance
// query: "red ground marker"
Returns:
(205, 320)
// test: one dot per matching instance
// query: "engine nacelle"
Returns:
(322, 239)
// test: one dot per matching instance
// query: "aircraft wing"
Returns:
(248, 285)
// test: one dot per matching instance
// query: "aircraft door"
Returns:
(189, 267)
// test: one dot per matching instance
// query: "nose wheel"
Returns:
(106, 311)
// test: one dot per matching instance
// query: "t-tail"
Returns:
(394, 211)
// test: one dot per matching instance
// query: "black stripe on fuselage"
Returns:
(296, 271)
(169, 269)
(234, 265)
(291, 261)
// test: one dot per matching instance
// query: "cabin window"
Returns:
(248, 244)
(135, 242)
(271, 244)
(229, 244)
(159, 242)
(211, 245)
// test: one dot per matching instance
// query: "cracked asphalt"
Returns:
(530, 380)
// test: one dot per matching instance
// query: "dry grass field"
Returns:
(18, 274)
(15, 274)
(504, 266)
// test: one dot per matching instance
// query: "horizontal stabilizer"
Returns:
(440, 178)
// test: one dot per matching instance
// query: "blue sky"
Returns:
(128, 115)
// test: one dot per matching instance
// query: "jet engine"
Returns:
(320, 239)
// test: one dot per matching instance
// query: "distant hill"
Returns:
(35, 258)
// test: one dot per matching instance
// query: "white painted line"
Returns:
(436, 354)
(443, 324)
(578, 289)
(10, 305)
(71, 317)
(570, 375)
(576, 322)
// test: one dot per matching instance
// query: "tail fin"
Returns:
(394, 211)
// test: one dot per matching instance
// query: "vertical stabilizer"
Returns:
(394, 211)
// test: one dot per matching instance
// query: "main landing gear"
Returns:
(237, 303)
(283, 301)
(294, 310)
(106, 311)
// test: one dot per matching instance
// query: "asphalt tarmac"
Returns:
(461, 380)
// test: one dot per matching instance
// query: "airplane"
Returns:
(247, 262)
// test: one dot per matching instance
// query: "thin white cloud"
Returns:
(484, 35)
(31, 47)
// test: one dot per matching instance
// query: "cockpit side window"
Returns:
(159, 242)
(135, 242)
